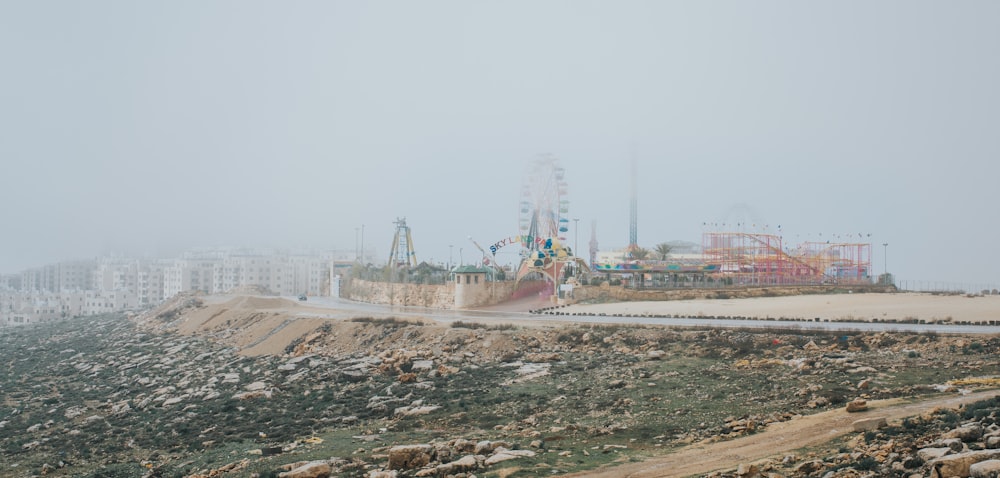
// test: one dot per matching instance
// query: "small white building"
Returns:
(471, 286)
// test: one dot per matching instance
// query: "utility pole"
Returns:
(576, 236)
(885, 260)
(633, 219)
(362, 243)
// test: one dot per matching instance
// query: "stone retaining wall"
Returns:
(389, 293)
(432, 296)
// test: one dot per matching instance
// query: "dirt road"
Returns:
(778, 439)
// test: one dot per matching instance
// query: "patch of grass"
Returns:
(477, 325)
(866, 463)
(973, 348)
(385, 321)
(981, 408)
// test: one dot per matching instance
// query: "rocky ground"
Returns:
(160, 395)
(942, 443)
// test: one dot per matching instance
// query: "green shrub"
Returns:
(866, 463)
(395, 321)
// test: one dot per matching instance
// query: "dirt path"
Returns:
(778, 439)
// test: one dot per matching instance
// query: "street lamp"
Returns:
(885, 259)
(357, 257)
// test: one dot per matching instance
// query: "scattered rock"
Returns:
(422, 366)
(809, 467)
(408, 457)
(857, 405)
(746, 470)
(955, 444)
(985, 469)
(958, 464)
(173, 401)
(413, 411)
(313, 469)
(928, 454)
(384, 474)
(503, 454)
(867, 424)
(466, 463)
(966, 433)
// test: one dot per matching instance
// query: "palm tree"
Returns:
(663, 249)
(639, 253)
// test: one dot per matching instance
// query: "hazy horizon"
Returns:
(150, 129)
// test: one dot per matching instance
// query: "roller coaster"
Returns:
(762, 259)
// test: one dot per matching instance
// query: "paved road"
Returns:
(342, 307)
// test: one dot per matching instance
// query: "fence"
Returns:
(948, 287)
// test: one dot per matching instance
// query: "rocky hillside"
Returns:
(939, 444)
(187, 390)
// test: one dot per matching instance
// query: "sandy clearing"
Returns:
(778, 439)
(827, 307)
(274, 342)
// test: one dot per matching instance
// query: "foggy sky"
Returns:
(152, 127)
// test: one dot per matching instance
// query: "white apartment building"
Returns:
(10, 306)
(68, 276)
(311, 275)
(116, 274)
(109, 284)
(45, 308)
(189, 275)
(34, 307)
(75, 275)
(276, 274)
(72, 303)
(39, 279)
(149, 284)
(107, 302)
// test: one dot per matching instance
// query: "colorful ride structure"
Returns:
(544, 222)
(401, 253)
(756, 258)
(752, 258)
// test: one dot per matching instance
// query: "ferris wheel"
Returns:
(544, 209)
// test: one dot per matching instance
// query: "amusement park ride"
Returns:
(760, 258)
(402, 253)
(736, 257)
(544, 221)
